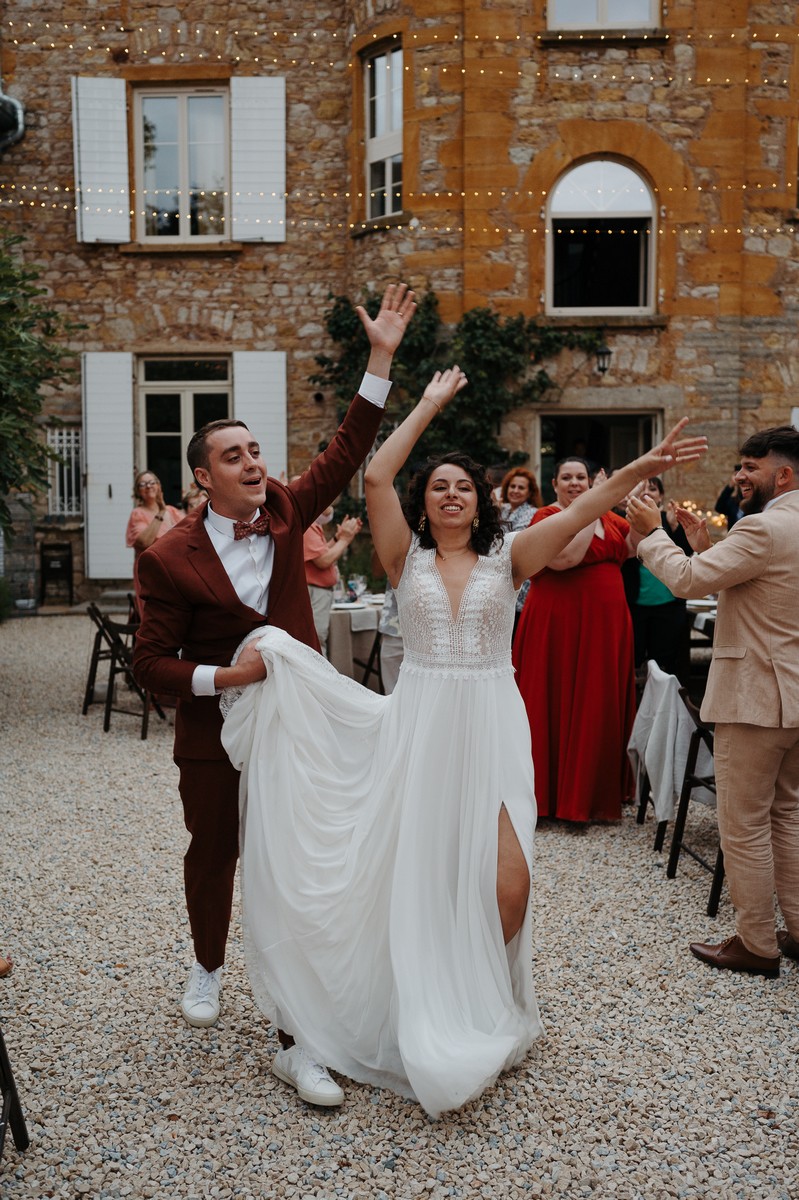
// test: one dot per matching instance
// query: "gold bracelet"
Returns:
(432, 401)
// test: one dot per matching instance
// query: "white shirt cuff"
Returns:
(375, 389)
(202, 681)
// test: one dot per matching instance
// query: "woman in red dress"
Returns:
(573, 654)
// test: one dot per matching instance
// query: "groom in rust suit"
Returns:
(752, 690)
(229, 567)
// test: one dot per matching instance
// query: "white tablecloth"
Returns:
(658, 744)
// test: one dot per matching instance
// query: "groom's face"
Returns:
(235, 477)
(758, 479)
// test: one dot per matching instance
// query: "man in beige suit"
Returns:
(752, 691)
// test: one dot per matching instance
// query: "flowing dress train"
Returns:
(369, 845)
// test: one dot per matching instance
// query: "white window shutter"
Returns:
(100, 138)
(258, 158)
(259, 400)
(108, 451)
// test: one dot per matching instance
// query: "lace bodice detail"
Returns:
(479, 639)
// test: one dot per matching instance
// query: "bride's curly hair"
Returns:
(489, 531)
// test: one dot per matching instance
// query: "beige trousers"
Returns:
(757, 781)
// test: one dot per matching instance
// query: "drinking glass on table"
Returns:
(357, 585)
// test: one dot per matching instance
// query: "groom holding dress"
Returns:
(231, 566)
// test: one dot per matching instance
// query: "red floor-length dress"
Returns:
(573, 654)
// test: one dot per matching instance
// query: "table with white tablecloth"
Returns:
(352, 633)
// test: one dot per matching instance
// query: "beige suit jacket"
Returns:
(754, 675)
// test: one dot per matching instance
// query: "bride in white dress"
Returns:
(387, 840)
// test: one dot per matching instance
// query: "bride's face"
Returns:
(450, 498)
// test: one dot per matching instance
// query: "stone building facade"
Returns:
(535, 158)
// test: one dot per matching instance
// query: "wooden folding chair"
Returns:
(113, 643)
(702, 735)
(11, 1113)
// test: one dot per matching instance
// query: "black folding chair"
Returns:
(702, 735)
(113, 643)
(11, 1114)
(372, 664)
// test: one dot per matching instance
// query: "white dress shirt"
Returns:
(248, 562)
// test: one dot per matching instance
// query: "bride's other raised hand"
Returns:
(673, 450)
(444, 387)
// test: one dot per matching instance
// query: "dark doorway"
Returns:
(606, 440)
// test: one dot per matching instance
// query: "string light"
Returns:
(137, 44)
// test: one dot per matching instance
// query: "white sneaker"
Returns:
(311, 1079)
(200, 1005)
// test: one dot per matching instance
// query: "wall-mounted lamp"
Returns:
(603, 353)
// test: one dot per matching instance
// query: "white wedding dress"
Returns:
(369, 845)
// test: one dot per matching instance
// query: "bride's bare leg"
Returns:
(513, 879)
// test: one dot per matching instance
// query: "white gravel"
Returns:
(658, 1078)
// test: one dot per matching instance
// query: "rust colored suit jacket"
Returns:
(191, 611)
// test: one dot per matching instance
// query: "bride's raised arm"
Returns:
(536, 546)
(387, 524)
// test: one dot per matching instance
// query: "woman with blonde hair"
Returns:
(151, 519)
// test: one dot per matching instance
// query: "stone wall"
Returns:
(495, 108)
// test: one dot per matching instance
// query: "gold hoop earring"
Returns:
(475, 524)
(422, 523)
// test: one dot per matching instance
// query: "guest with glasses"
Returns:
(151, 519)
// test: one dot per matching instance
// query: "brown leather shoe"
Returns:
(788, 944)
(734, 956)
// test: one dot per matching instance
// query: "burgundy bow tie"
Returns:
(243, 529)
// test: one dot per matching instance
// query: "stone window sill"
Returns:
(181, 248)
(603, 37)
(606, 321)
(362, 228)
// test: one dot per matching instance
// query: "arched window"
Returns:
(601, 244)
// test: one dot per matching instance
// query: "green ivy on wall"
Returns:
(503, 358)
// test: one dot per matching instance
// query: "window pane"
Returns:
(162, 412)
(629, 13)
(188, 369)
(206, 116)
(396, 89)
(209, 406)
(601, 186)
(573, 12)
(377, 189)
(161, 165)
(396, 184)
(378, 96)
(604, 266)
(164, 459)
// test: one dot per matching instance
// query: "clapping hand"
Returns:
(695, 529)
(643, 514)
(348, 528)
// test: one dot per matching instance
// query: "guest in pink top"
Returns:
(150, 519)
(321, 571)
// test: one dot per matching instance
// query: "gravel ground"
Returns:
(658, 1077)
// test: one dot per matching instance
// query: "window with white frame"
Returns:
(383, 95)
(65, 491)
(177, 396)
(603, 14)
(209, 161)
(601, 243)
(182, 164)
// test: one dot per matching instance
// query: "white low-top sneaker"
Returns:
(200, 1005)
(310, 1078)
